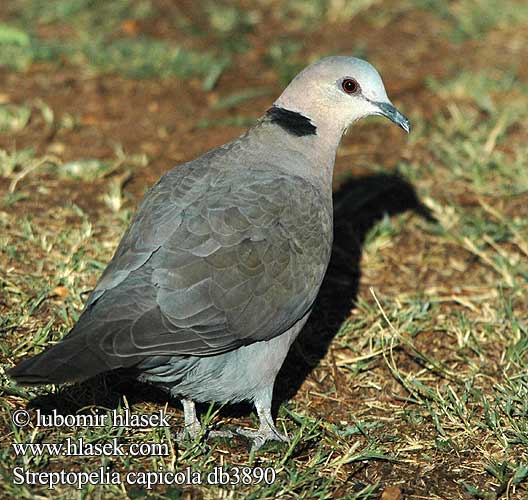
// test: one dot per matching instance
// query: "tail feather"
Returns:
(71, 360)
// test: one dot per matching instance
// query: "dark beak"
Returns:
(388, 110)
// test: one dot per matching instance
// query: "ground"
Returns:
(410, 380)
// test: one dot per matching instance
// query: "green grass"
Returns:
(13, 118)
(308, 14)
(132, 57)
(94, 46)
(471, 147)
(424, 388)
(485, 88)
(147, 58)
(473, 19)
(84, 15)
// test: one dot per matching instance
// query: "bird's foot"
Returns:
(260, 436)
(219, 434)
(193, 429)
(190, 431)
(193, 433)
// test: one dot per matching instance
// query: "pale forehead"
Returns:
(332, 69)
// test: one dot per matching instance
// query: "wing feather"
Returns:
(214, 259)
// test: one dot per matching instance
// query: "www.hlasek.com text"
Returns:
(80, 448)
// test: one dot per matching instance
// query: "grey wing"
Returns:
(157, 217)
(209, 263)
(243, 264)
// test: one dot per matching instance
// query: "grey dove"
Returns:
(220, 267)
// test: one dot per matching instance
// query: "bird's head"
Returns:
(337, 91)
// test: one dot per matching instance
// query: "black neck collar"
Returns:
(294, 123)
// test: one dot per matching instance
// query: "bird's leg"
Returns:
(267, 429)
(192, 426)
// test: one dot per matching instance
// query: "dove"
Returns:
(222, 262)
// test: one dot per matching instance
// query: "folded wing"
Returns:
(209, 263)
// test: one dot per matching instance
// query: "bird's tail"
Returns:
(71, 360)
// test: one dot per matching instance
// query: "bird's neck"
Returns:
(296, 144)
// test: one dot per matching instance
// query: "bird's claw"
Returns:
(259, 437)
(219, 434)
(193, 433)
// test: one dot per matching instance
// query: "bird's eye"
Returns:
(350, 86)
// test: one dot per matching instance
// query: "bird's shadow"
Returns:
(359, 204)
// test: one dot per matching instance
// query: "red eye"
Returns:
(350, 86)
